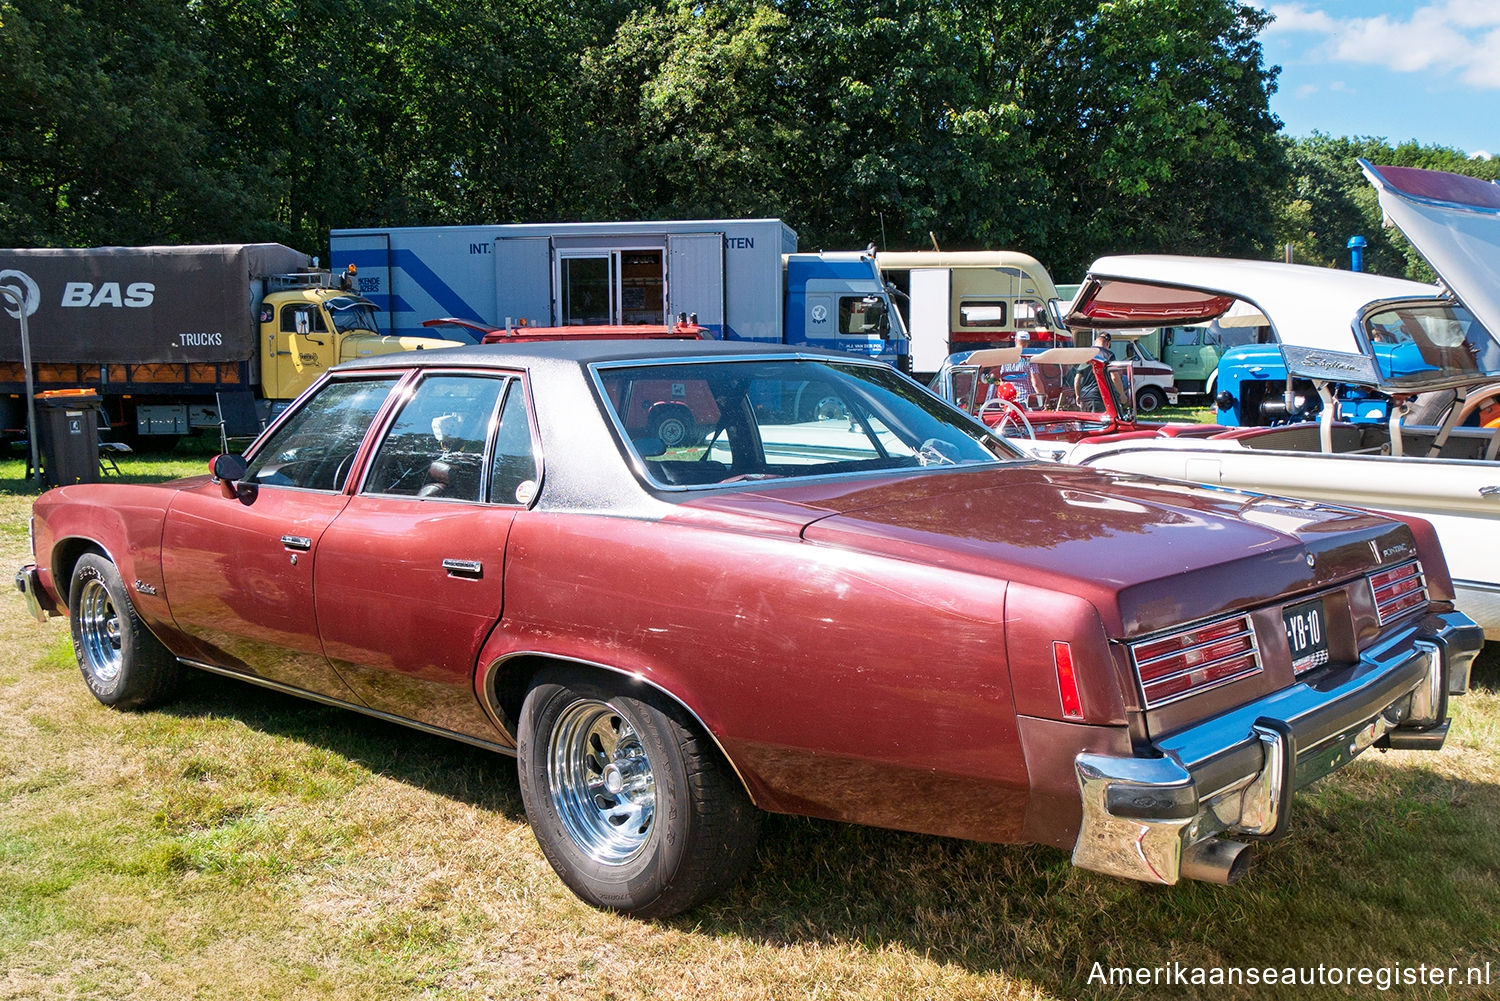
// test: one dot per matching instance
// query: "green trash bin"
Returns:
(68, 426)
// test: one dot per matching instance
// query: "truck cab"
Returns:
(307, 326)
(837, 301)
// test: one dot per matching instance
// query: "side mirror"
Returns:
(229, 469)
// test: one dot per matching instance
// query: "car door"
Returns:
(239, 571)
(409, 581)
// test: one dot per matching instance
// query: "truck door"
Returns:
(523, 280)
(929, 318)
(305, 348)
(695, 278)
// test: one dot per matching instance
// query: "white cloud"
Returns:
(1307, 90)
(1459, 37)
(1480, 154)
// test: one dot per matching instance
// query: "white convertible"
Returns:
(1439, 454)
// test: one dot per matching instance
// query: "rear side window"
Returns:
(513, 475)
(314, 449)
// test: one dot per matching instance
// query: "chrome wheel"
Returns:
(601, 782)
(99, 633)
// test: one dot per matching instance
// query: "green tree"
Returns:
(101, 123)
(1328, 199)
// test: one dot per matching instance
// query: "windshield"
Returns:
(1055, 380)
(702, 423)
(1420, 343)
(349, 315)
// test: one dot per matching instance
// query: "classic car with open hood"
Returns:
(831, 595)
(1430, 349)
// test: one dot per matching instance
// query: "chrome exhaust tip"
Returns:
(1217, 861)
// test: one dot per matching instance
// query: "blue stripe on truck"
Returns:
(450, 302)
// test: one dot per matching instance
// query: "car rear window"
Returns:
(707, 423)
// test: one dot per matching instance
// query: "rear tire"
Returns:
(122, 663)
(633, 807)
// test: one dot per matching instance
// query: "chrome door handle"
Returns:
(301, 542)
(464, 568)
(1490, 491)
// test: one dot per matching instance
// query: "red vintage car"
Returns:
(871, 610)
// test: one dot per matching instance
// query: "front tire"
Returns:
(633, 807)
(122, 663)
(1149, 400)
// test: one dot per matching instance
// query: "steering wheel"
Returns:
(1010, 415)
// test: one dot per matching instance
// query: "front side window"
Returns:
(310, 315)
(435, 446)
(778, 418)
(863, 315)
(314, 449)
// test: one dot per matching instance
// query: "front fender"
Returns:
(123, 522)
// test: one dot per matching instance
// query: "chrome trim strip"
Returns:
(1219, 683)
(1247, 631)
(1254, 665)
(487, 699)
(326, 700)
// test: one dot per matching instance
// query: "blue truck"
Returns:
(740, 279)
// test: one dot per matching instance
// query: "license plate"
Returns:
(1306, 634)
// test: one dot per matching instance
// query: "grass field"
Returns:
(242, 844)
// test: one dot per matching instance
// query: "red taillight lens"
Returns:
(1398, 589)
(1067, 681)
(1194, 660)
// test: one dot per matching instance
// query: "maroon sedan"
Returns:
(834, 595)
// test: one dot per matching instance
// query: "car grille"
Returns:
(1194, 660)
(1398, 589)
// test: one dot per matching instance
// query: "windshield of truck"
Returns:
(1420, 343)
(709, 422)
(353, 316)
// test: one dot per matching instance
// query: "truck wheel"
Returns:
(122, 663)
(1149, 400)
(633, 807)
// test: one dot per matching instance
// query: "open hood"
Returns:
(1454, 222)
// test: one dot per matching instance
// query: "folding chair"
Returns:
(239, 418)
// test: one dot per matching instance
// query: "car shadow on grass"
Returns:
(483, 778)
(1387, 862)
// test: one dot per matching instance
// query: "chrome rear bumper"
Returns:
(1235, 774)
(38, 602)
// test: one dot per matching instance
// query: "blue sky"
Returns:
(1429, 71)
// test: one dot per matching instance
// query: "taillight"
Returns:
(1067, 680)
(1398, 589)
(1194, 660)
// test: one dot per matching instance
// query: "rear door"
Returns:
(410, 575)
(695, 278)
(523, 281)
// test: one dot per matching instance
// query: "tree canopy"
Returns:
(1064, 128)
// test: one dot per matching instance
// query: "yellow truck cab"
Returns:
(307, 326)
